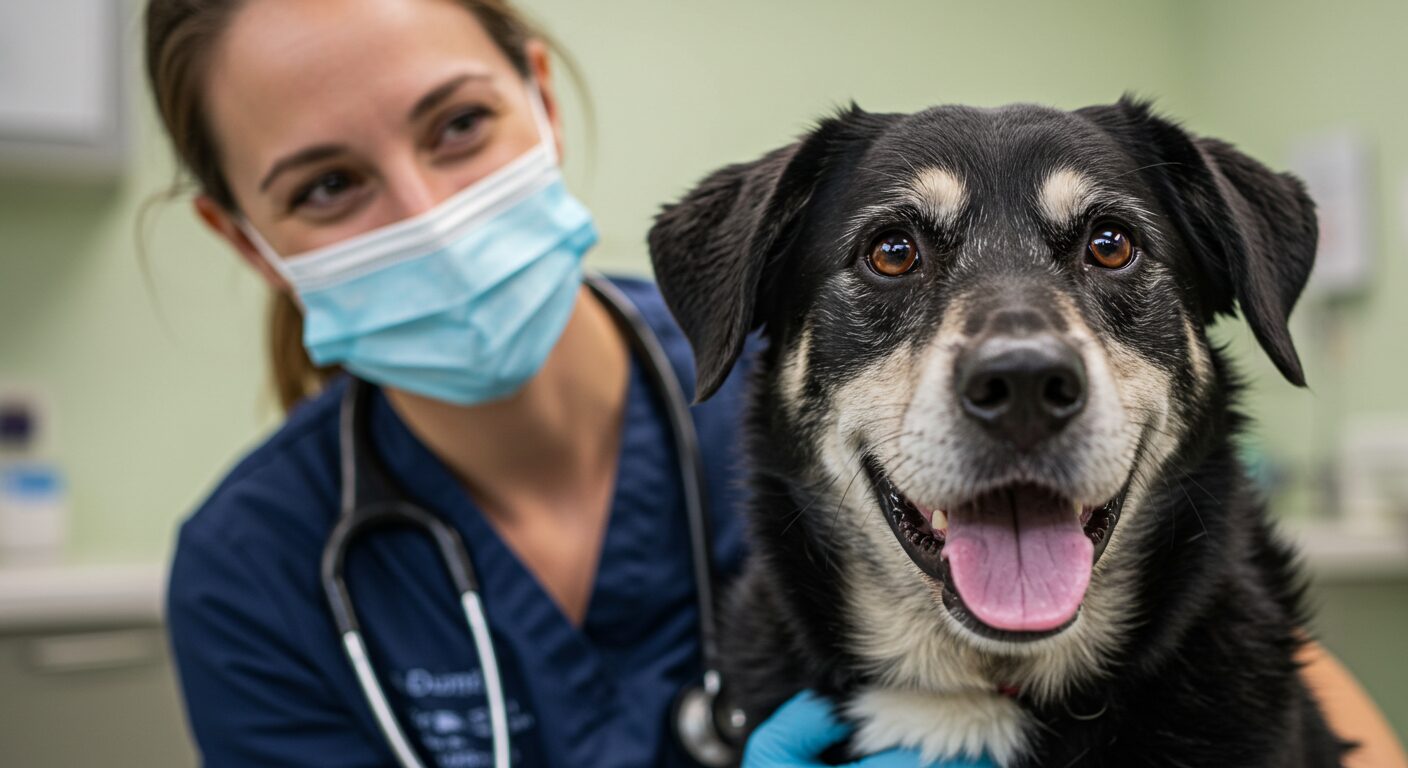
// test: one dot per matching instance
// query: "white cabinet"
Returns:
(63, 84)
(103, 695)
(85, 674)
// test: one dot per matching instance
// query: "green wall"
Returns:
(1265, 74)
(159, 386)
(155, 383)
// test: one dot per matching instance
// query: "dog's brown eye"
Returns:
(1110, 247)
(894, 254)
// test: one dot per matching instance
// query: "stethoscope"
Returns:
(708, 729)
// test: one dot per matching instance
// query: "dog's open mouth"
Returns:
(1013, 563)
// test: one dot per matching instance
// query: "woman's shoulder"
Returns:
(719, 420)
(645, 295)
(284, 487)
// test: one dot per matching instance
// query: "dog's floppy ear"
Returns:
(1252, 230)
(714, 249)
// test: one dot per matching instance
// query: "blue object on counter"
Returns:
(30, 482)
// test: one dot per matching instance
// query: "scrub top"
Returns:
(261, 664)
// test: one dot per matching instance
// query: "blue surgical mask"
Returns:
(462, 303)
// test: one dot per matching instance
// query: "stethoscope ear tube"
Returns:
(374, 504)
(376, 699)
(493, 683)
(456, 560)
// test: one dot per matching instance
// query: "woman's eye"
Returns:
(460, 130)
(325, 191)
(1110, 247)
(893, 254)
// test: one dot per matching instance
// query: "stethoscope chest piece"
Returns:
(709, 730)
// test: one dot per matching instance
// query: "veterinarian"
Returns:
(390, 170)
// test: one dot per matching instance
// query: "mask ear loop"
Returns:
(546, 138)
(270, 256)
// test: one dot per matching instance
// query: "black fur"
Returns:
(1253, 230)
(1206, 675)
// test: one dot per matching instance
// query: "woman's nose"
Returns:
(413, 190)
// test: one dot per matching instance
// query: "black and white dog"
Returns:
(998, 507)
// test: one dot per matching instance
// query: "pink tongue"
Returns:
(1019, 559)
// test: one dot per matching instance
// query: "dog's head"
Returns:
(996, 318)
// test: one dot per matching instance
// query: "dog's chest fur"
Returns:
(1202, 676)
(1187, 662)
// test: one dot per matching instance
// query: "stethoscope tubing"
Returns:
(359, 517)
(691, 463)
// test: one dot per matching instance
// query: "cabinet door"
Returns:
(63, 87)
(99, 697)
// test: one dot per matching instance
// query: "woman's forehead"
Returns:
(285, 69)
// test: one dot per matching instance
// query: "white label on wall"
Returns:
(1336, 169)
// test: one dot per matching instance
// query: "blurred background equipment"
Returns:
(33, 500)
(63, 93)
(145, 335)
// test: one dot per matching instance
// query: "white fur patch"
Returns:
(939, 195)
(793, 375)
(1065, 195)
(899, 632)
(1197, 355)
(1145, 392)
(941, 726)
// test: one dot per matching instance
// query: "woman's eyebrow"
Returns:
(301, 157)
(441, 92)
(314, 154)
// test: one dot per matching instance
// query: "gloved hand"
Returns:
(804, 727)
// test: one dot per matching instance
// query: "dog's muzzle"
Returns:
(1013, 563)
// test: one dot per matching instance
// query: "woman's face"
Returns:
(335, 117)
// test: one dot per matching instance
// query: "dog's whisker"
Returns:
(1193, 506)
(1147, 167)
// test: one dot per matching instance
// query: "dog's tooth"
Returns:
(940, 520)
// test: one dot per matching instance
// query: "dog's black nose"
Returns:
(1021, 388)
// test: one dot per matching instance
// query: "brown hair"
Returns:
(180, 36)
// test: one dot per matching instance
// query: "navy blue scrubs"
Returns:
(260, 662)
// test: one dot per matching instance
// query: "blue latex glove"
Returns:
(804, 727)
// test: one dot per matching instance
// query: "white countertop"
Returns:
(61, 596)
(81, 595)
(1337, 554)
